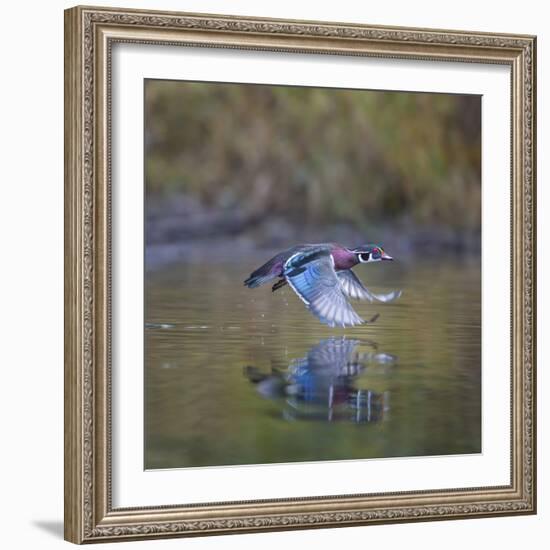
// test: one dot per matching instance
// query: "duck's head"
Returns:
(370, 253)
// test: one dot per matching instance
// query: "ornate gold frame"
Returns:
(89, 35)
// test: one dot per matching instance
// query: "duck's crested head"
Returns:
(370, 253)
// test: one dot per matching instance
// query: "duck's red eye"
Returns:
(376, 251)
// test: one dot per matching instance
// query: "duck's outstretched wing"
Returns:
(312, 276)
(354, 288)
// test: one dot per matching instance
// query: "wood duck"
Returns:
(321, 276)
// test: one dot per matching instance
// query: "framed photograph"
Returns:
(300, 274)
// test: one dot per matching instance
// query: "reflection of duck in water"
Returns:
(321, 385)
(321, 275)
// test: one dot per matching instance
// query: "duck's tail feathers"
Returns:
(255, 281)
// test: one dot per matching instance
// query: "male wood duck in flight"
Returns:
(321, 276)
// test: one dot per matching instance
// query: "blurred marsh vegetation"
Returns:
(270, 165)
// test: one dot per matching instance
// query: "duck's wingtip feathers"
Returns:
(341, 324)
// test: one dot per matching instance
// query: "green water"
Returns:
(240, 376)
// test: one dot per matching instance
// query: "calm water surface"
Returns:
(240, 376)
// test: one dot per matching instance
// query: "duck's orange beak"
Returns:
(386, 256)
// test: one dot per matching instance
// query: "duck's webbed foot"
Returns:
(280, 283)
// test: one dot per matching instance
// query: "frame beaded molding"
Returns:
(88, 510)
